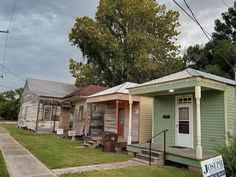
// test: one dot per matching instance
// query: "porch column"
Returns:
(199, 140)
(130, 119)
(117, 115)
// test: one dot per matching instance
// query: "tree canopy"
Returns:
(10, 104)
(219, 55)
(129, 40)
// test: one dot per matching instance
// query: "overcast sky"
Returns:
(38, 43)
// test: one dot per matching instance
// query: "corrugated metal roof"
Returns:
(188, 73)
(122, 88)
(49, 88)
(86, 91)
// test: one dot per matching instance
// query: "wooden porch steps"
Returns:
(157, 158)
(92, 142)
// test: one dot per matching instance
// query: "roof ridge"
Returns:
(30, 78)
(121, 85)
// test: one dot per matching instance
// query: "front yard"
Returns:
(3, 169)
(139, 171)
(55, 152)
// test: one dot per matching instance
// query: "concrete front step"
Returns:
(146, 157)
(141, 160)
(154, 153)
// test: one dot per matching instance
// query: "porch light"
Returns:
(171, 90)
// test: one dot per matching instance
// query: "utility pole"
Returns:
(1, 31)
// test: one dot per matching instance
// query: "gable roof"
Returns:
(86, 91)
(49, 88)
(122, 88)
(188, 73)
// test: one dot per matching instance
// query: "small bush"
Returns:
(228, 153)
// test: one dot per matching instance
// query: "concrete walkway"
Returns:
(107, 166)
(19, 161)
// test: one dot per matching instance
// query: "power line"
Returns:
(196, 20)
(224, 3)
(12, 73)
(204, 30)
(189, 15)
(7, 35)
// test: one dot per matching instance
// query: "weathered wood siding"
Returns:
(64, 118)
(110, 120)
(231, 109)
(80, 124)
(145, 120)
(110, 123)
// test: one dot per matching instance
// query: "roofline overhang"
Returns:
(75, 98)
(178, 84)
(111, 97)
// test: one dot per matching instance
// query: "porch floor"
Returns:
(172, 150)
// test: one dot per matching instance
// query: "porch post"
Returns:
(130, 119)
(199, 140)
(117, 115)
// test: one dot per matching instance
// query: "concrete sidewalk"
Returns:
(19, 161)
(107, 166)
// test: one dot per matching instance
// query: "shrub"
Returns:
(228, 153)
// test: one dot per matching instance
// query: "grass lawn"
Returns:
(55, 152)
(3, 169)
(139, 171)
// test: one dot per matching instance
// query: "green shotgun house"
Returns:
(197, 108)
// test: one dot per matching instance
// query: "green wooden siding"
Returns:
(231, 108)
(164, 105)
(212, 118)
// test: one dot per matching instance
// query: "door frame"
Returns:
(191, 125)
(118, 122)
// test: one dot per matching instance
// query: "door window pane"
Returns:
(184, 127)
(121, 116)
(184, 113)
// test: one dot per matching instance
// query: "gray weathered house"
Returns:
(40, 104)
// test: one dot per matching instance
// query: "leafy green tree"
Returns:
(10, 104)
(219, 55)
(214, 57)
(129, 40)
(226, 29)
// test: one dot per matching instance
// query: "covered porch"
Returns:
(192, 108)
(182, 155)
(113, 116)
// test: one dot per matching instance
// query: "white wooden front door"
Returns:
(184, 121)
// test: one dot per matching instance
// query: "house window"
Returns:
(81, 110)
(47, 113)
(184, 100)
(70, 125)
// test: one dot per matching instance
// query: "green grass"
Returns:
(3, 169)
(138, 171)
(55, 152)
